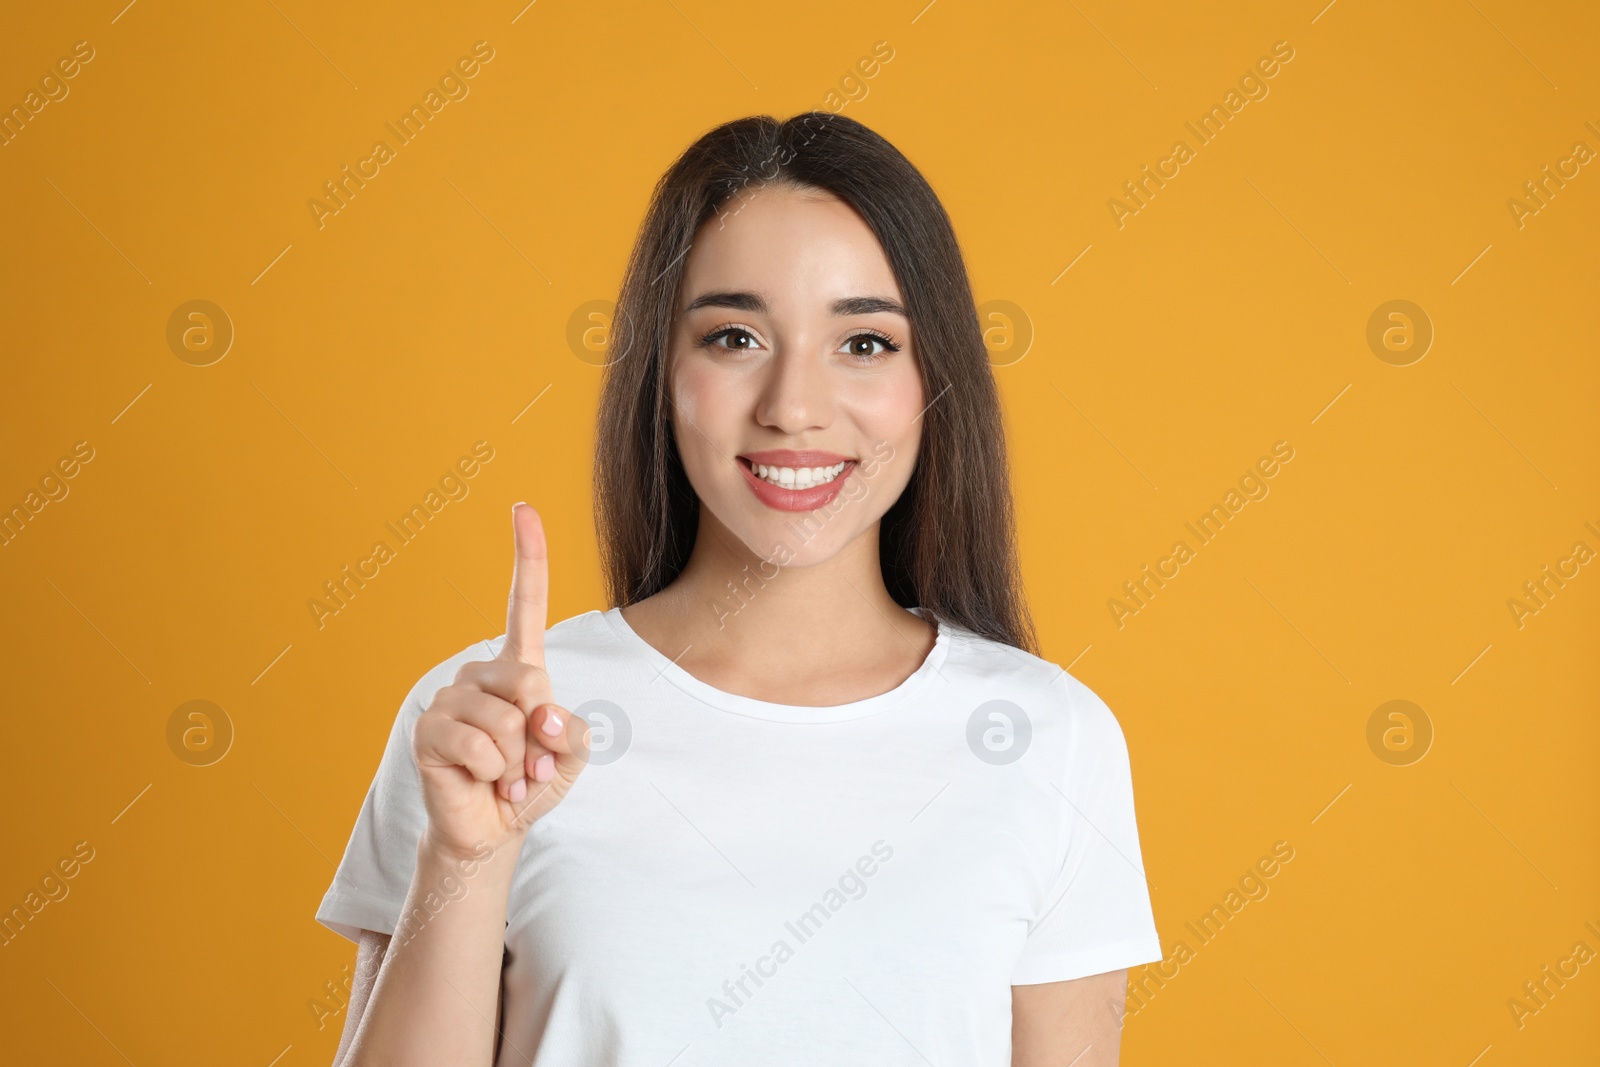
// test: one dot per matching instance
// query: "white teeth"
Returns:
(798, 477)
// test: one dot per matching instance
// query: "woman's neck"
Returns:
(760, 629)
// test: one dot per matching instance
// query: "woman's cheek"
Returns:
(703, 401)
(705, 390)
(888, 411)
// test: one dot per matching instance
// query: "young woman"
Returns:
(805, 795)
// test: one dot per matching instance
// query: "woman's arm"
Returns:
(433, 995)
(369, 957)
(370, 950)
(493, 753)
(1076, 1023)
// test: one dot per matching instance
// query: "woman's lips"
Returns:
(781, 499)
(796, 458)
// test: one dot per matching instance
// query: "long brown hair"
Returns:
(948, 544)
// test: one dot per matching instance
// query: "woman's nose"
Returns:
(797, 394)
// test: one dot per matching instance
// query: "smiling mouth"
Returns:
(796, 478)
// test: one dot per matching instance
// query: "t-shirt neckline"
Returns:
(667, 670)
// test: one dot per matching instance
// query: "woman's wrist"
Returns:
(445, 863)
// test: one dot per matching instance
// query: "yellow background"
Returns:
(1228, 314)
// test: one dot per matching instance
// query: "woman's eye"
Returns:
(861, 346)
(738, 340)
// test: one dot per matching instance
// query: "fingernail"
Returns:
(519, 789)
(544, 768)
(552, 725)
(517, 505)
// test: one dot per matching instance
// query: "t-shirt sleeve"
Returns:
(1096, 913)
(370, 886)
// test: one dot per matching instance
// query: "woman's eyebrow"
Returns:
(742, 300)
(868, 305)
(737, 300)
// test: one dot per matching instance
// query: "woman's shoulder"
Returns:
(1039, 685)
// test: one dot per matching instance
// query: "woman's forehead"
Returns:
(791, 249)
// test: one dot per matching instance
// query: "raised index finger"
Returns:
(530, 587)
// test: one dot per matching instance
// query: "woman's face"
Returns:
(792, 352)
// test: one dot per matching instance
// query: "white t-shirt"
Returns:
(732, 881)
